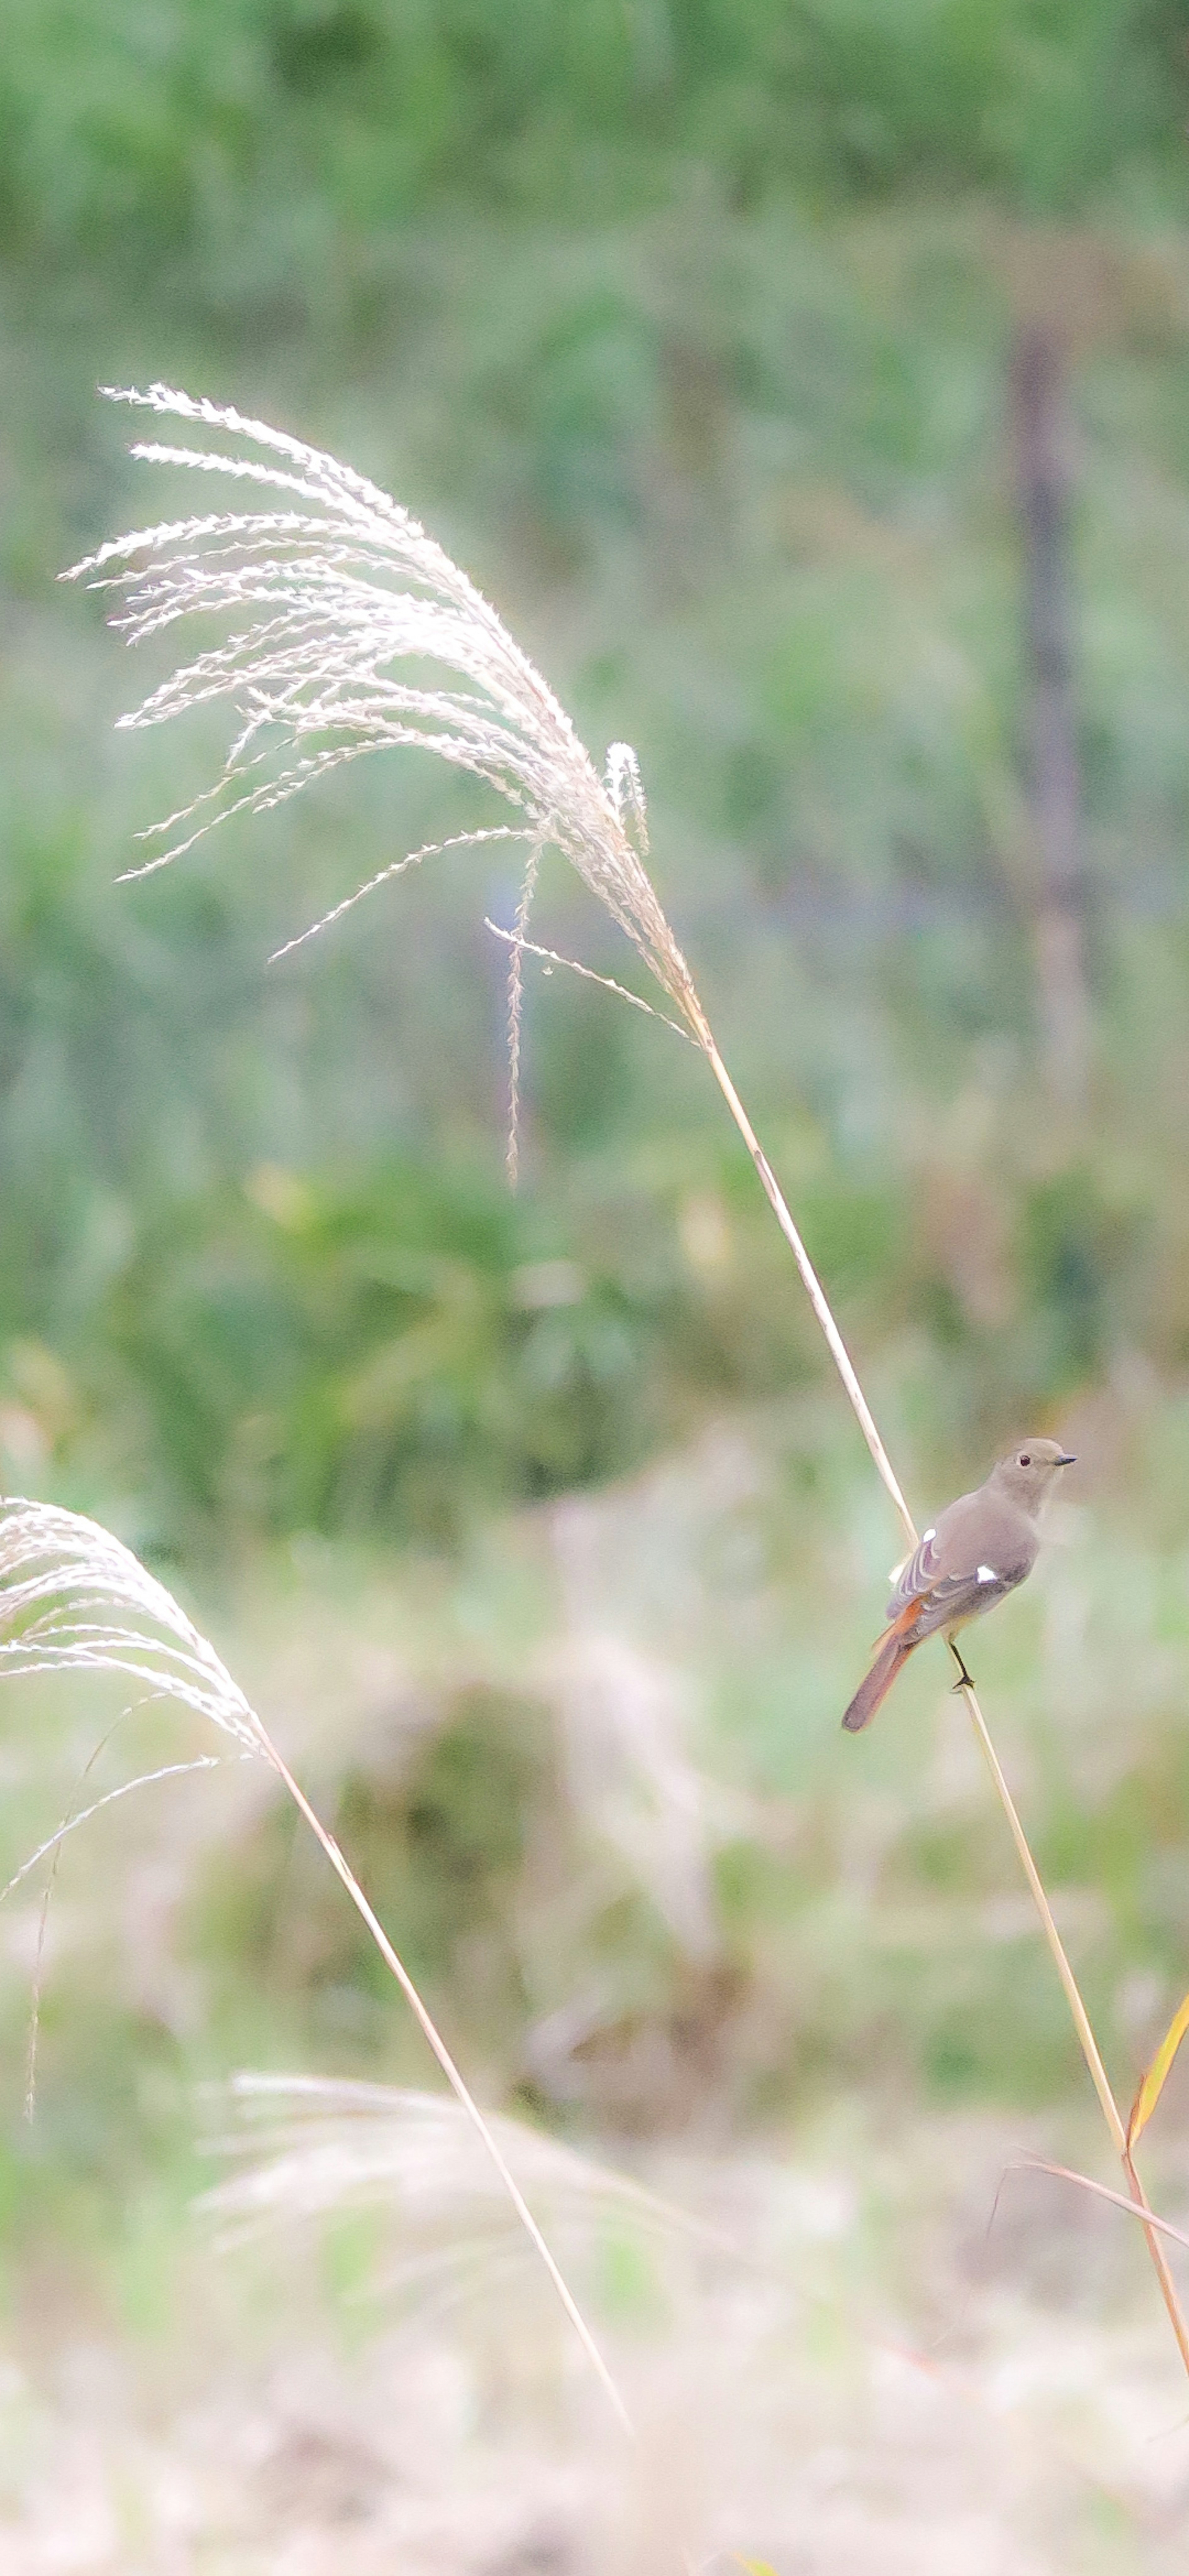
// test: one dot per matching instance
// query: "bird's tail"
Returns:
(871, 1693)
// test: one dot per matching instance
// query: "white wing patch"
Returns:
(987, 1574)
(895, 1571)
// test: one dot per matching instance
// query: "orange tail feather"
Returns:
(872, 1692)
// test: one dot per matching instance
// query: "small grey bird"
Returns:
(980, 1548)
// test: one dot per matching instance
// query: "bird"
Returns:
(979, 1548)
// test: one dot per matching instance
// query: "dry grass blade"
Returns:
(340, 603)
(1156, 2075)
(515, 998)
(51, 1850)
(553, 957)
(1102, 2191)
(74, 1599)
(82, 1815)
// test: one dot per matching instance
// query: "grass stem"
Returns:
(455, 2079)
(814, 1289)
(847, 1372)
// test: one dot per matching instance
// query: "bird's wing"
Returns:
(946, 1578)
(926, 1569)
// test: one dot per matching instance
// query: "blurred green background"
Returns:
(697, 330)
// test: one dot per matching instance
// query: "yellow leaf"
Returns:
(1154, 2081)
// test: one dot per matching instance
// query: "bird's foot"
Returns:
(965, 1680)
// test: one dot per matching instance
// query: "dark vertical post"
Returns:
(1059, 928)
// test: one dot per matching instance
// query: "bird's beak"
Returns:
(1067, 1459)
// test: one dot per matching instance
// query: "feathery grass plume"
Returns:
(309, 2148)
(73, 1598)
(328, 598)
(332, 599)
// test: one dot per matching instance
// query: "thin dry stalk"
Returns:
(516, 1007)
(339, 592)
(1078, 2013)
(452, 2074)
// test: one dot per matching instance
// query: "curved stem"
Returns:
(1080, 2017)
(867, 1424)
(816, 1293)
(451, 2072)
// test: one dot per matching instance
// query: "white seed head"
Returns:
(75, 1599)
(338, 600)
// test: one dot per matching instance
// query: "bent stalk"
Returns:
(848, 1374)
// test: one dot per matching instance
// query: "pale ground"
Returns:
(875, 2387)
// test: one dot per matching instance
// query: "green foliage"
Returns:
(206, 131)
(689, 330)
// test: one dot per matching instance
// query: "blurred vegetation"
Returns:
(688, 328)
(164, 136)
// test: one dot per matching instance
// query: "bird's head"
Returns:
(1028, 1472)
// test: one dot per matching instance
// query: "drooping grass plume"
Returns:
(337, 605)
(306, 2148)
(337, 608)
(333, 602)
(74, 1599)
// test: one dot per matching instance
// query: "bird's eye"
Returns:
(1025, 1460)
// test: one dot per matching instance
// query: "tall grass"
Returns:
(74, 1599)
(340, 607)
